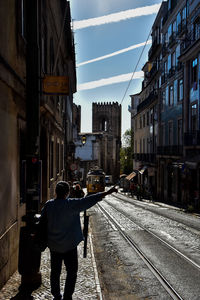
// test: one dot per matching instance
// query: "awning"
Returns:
(131, 176)
(143, 169)
(122, 175)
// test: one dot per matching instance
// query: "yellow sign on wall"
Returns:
(56, 85)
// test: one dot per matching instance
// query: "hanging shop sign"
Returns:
(56, 85)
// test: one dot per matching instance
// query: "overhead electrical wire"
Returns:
(129, 83)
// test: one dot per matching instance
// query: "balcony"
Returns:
(145, 157)
(182, 28)
(153, 71)
(179, 66)
(172, 40)
(152, 51)
(190, 39)
(165, 50)
(171, 72)
(163, 78)
(149, 100)
(192, 138)
(173, 150)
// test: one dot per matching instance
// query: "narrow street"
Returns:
(93, 95)
(115, 271)
(173, 249)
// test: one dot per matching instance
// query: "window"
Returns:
(169, 63)
(144, 120)
(169, 5)
(173, 59)
(177, 54)
(104, 125)
(194, 74)
(194, 117)
(171, 95)
(23, 18)
(196, 29)
(57, 158)
(170, 133)
(169, 31)
(183, 16)
(178, 22)
(51, 56)
(163, 102)
(180, 133)
(135, 124)
(180, 90)
(62, 157)
(174, 26)
(51, 158)
(162, 135)
(151, 116)
(44, 50)
(147, 118)
(165, 67)
(140, 122)
(144, 150)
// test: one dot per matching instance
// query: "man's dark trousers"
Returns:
(70, 259)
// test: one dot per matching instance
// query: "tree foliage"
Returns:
(126, 161)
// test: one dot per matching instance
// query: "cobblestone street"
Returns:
(87, 286)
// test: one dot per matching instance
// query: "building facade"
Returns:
(36, 127)
(172, 73)
(106, 119)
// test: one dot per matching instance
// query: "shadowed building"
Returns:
(106, 119)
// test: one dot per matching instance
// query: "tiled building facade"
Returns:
(172, 77)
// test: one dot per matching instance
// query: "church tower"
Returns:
(106, 119)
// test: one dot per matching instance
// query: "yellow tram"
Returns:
(95, 181)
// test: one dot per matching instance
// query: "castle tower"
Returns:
(106, 118)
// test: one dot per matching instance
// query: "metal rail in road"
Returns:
(164, 282)
(160, 239)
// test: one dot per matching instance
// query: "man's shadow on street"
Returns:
(21, 295)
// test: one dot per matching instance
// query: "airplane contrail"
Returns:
(113, 53)
(116, 17)
(111, 80)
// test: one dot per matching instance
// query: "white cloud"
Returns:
(107, 81)
(113, 54)
(116, 17)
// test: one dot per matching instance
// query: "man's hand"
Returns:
(112, 190)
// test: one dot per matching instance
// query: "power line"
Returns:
(136, 67)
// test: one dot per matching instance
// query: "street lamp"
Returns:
(83, 140)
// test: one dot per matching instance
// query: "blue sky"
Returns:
(109, 28)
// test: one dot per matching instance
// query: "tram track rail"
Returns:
(139, 203)
(158, 238)
(164, 282)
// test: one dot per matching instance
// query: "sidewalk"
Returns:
(87, 286)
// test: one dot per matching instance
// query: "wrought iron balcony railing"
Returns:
(175, 150)
(150, 99)
(192, 138)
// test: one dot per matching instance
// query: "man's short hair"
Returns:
(62, 189)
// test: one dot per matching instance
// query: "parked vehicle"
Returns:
(108, 180)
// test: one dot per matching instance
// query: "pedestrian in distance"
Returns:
(64, 233)
(78, 192)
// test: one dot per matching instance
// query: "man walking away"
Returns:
(64, 234)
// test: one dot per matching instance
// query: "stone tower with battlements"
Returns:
(106, 118)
